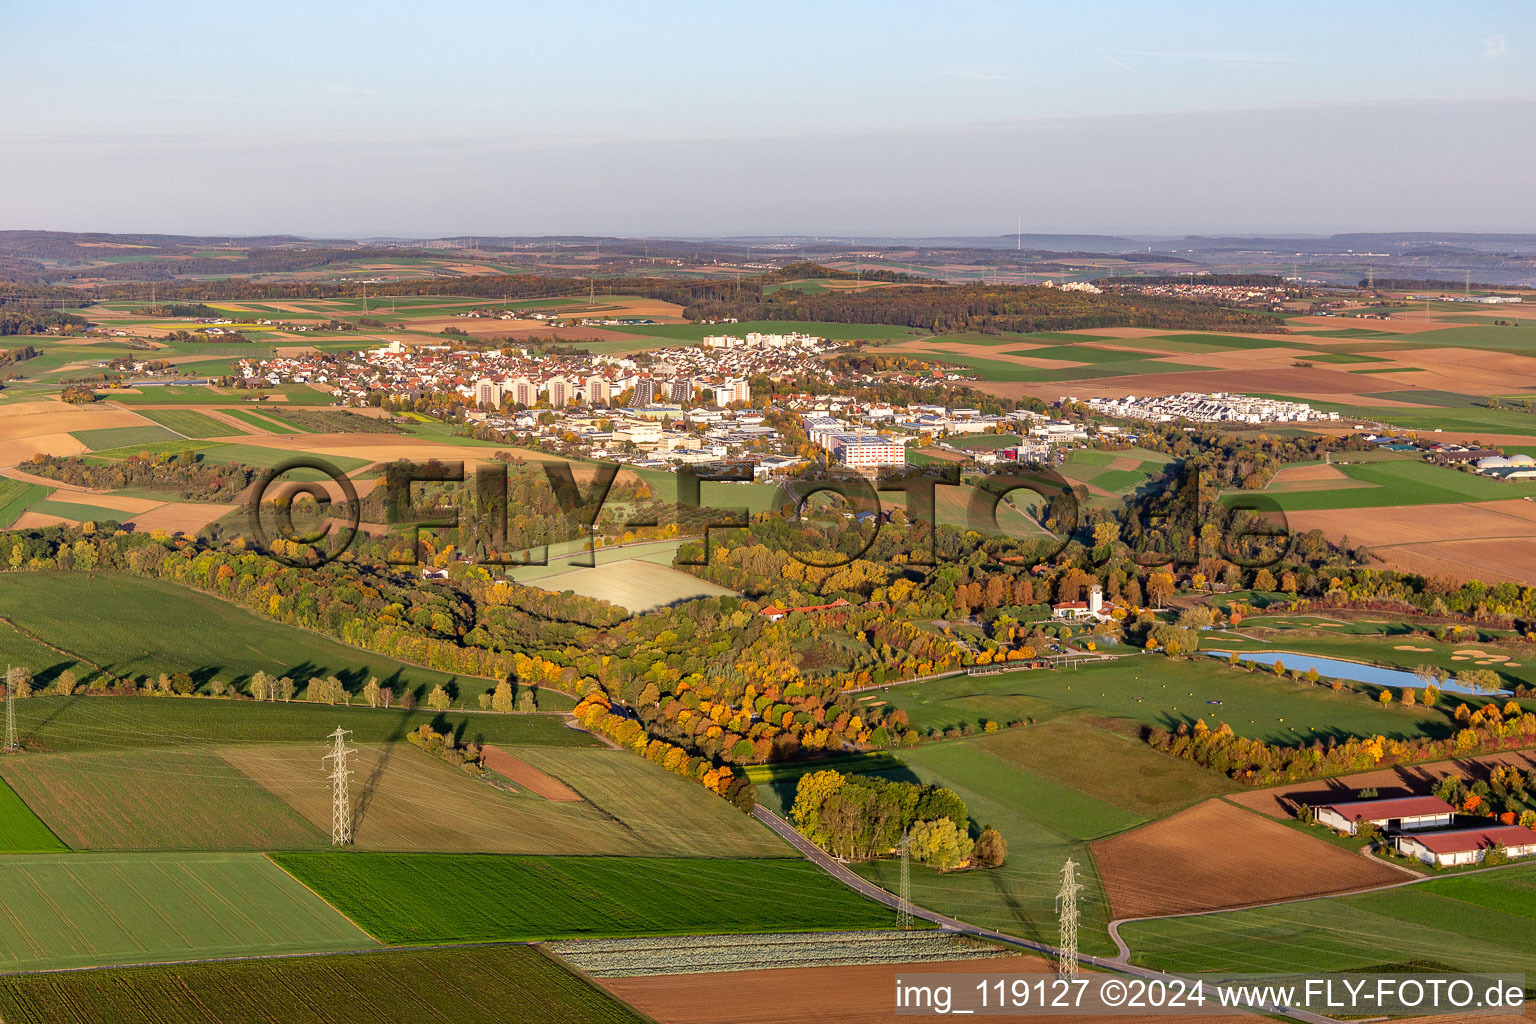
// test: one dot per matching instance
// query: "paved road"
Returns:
(839, 871)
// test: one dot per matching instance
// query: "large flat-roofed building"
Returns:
(1467, 846)
(868, 452)
(1393, 815)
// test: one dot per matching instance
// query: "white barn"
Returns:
(1468, 845)
(1390, 815)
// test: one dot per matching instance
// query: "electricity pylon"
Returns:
(341, 802)
(12, 745)
(1066, 906)
(904, 889)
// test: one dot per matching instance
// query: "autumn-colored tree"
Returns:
(991, 849)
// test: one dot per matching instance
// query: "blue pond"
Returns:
(1336, 669)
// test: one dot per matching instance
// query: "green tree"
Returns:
(501, 700)
(438, 699)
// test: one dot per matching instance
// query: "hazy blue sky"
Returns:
(713, 118)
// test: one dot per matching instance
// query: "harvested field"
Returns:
(1493, 541)
(1313, 383)
(632, 583)
(116, 502)
(44, 428)
(155, 800)
(1400, 780)
(516, 770)
(409, 800)
(1308, 474)
(38, 520)
(180, 517)
(1215, 855)
(828, 995)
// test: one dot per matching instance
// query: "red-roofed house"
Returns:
(776, 613)
(1467, 845)
(1399, 814)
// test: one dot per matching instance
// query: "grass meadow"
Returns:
(1156, 691)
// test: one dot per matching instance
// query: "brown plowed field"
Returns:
(1215, 855)
(1492, 541)
(180, 517)
(1400, 780)
(527, 776)
(861, 994)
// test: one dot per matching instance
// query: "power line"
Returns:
(12, 746)
(904, 889)
(341, 802)
(1066, 906)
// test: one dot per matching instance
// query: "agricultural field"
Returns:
(15, 496)
(1172, 866)
(53, 724)
(843, 994)
(122, 437)
(188, 423)
(1465, 923)
(139, 627)
(21, 831)
(699, 954)
(405, 898)
(155, 799)
(91, 910)
(408, 800)
(485, 985)
(1488, 540)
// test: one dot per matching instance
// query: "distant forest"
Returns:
(949, 309)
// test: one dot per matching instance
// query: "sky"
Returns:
(343, 119)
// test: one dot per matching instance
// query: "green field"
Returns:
(485, 985)
(189, 423)
(266, 423)
(175, 447)
(1157, 691)
(1115, 767)
(1404, 482)
(21, 831)
(88, 910)
(422, 898)
(183, 799)
(121, 437)
(79, 512)
(1478, 922)
(15, 496)
(266, 458)
(68, 724)
(1043, 822)
(139, 627)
